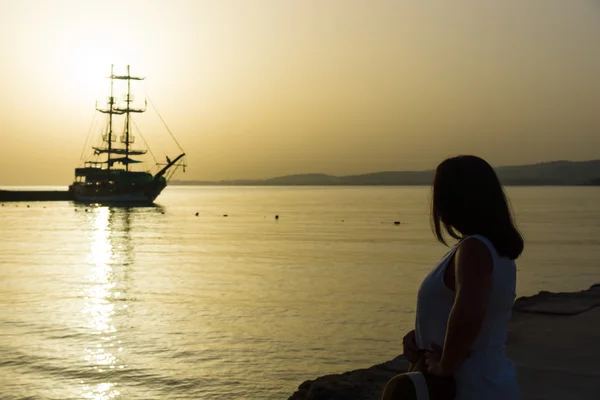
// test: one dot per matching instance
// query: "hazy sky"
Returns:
(260, 88)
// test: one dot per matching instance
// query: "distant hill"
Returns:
(551, 173)
(557, 173)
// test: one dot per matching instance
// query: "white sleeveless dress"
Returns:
(486, 373)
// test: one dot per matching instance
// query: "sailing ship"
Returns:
(112, 175)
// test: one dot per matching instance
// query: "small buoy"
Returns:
(197, 214)
(225, 215)
(342, 220)
(162, 212)
(277, 217)
(396, 222)
(27, 205)
(86, 210)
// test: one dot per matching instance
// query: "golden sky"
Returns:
(261, 88)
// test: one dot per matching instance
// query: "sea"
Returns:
(208, 296)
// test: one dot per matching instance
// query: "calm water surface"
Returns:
(154, 303)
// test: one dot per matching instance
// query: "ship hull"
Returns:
(126, 195)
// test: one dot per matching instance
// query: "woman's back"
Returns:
(486, 373)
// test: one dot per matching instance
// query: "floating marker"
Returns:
(197, 214)
(396, 222)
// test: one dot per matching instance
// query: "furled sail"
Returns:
(123, 160)
(134, 78)
(103, 150)
(131, 110)
(113, 111)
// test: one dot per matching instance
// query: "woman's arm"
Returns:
(473, 283)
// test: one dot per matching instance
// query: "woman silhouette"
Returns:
(465, 302)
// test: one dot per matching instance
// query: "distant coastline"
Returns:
(555, 173)
(594, 182)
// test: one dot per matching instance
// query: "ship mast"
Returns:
(121, 153)
(111, 101)
(127, 139)
(110, 110)
(127, 118)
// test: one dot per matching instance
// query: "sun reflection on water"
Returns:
(99, 308)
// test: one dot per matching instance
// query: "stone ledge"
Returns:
(528, 346)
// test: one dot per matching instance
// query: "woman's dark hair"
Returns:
(468, 199)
